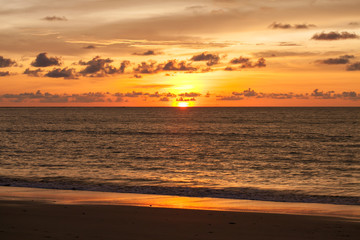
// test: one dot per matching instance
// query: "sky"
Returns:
(180, 53)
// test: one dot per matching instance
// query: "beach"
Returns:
(36, 220)
(39, 217)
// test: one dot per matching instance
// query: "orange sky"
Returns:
(170, 53)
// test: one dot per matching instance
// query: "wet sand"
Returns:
(43, 220)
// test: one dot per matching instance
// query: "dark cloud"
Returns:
(164, 99)
(54, 18)
(42, 60)
(340, 60)
(330, 36)
(354, 67)
(6, 62)
(46, 97)
(250, 93)
(123, 65)
(89, 47)
(181, 99)
(133, 94)
(88, 97)
(240, 60)
(147, 53)
(3, 74)
(190, 94)
(100, 67)
(229, 69)
(152, 67)
(211, 59)
(246, 63)
(229, 98)
(33, 73)
(137, 76)
(174, 65)
(276, 25)
(147, 68)
(67, 73)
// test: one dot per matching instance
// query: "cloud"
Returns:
(211, 59)
(288, 44)
(152, 67)
(100, 67)
(43, 61)
(229, 69)
(246, 63)
(353, 24)
(33, 73)
(330, 36)
(147, 68)
(190, 94)
(340, 60)
(46, 97)
(133, 94)
(54, 18)
(174, 65)
(3, 74)
(89, 47)
(164, 99)
(181, 99)
(88, 97)
(241, 60)
(354, 67)
(276, 25)
(67, 73)
(316, 94)
(6, 62)
(229, 98)
(147, 53)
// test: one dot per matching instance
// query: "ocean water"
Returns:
(271, 154)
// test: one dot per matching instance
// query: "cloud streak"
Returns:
(316, 94)
(340, 60)
(276, 25)
(331, 36)
(54, 18)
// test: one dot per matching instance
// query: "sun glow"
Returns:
(183, 104)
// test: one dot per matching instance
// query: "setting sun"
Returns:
(183, 104)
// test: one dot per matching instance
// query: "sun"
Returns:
(183, 104)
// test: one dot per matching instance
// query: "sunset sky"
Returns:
(180, 52)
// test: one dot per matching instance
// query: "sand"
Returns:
(22, 220)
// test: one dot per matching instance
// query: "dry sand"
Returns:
(26, 220)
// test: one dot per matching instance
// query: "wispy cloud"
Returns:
(339, 60)
(54, 18)
(250, 93)
(276, 25)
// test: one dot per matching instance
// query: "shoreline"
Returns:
(80, 197)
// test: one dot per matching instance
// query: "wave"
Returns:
(246, 193)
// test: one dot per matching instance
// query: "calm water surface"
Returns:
(276, 154)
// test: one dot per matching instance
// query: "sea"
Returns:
(282, 154)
